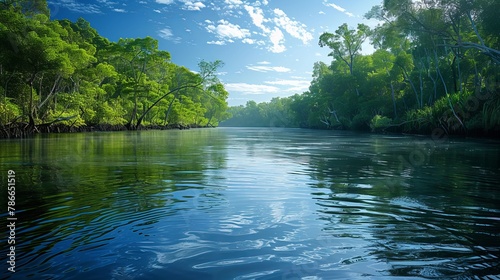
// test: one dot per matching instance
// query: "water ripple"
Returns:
(251, 204)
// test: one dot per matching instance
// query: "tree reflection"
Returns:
(77, 192)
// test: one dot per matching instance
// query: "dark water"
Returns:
(252, 204)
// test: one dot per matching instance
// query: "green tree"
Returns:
(345, 43)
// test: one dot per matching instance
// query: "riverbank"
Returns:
(23, 130)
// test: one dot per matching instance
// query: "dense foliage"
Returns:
(58, 71)
(435, 67)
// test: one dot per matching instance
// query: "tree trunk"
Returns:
(394, 101)
(407, 77)
(169, 109)
(130, 124)
(31, 107)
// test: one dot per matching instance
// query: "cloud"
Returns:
(279, 69)
(257, 16)
(119, 10)
(293, 85)
(282, 22)
(338, 8)
(157, 11)
(264, 63)
(253, 42)
(249, 41)
(193, 6)
(75, 6)
(227, 31)
(251, 88)
(232, 4)
(166, 2)
(259, 3)
(220, 43)
(294, 28)
(277, 39)
(167, 34)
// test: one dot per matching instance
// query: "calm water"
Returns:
(233, 203)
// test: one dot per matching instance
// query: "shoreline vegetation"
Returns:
(62, 76)
(435, 70)
(22, 130)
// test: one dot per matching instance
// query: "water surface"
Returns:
(233, 203)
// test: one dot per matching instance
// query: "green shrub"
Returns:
(8, 111)
(379, 123)
(360, 122)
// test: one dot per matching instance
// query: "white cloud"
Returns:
(264, 63)
(166, 2)
(157, 11)
(74, 6)
(251, 88)
(107, 3)
(338, 8)
(220, 43)
(167, 34)
(294, 28)
(249, 41)
(283, 22)
(233, 4)
(257, 16)
(193, 6)
(298, 85)
(119, 10)
(227, 31)
(258, 3)
(279, 69)
(277, 39)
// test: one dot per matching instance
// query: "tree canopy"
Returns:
(435, 67)
(58, 71)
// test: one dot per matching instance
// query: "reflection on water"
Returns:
(253, 204)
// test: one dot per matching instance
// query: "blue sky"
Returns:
(269, 47)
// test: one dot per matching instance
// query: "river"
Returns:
(252, 203)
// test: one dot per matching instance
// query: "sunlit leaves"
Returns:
(63, 71)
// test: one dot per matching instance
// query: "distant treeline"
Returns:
(435, 69)
(58, 73)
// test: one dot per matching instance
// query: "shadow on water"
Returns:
(77, 193)
(253, 204)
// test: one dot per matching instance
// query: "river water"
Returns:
(259, 203)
